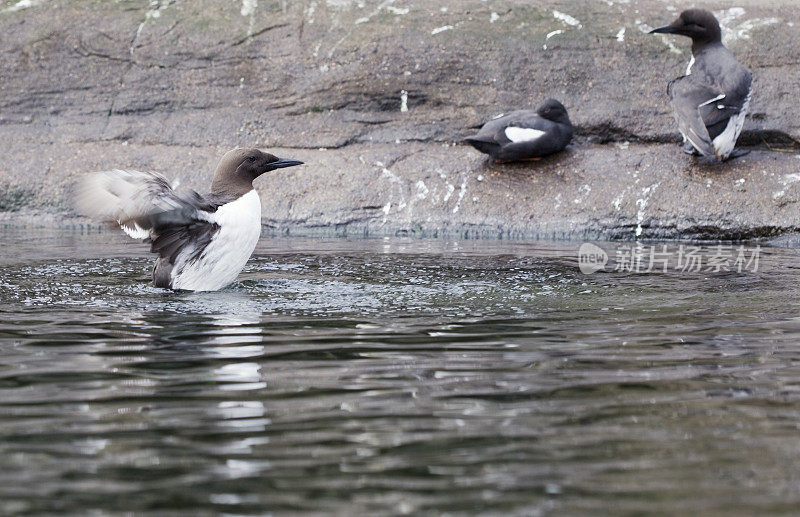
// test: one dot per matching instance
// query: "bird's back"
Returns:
(716, 66)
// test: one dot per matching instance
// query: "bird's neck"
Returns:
(232, 186)
(698, 47)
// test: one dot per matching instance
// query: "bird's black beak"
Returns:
(667, 29)
(284, 162)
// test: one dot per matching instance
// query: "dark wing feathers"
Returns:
(169, 241)
(493, 140)
(686, 96)
(146, 206)
(705, 101)
(186, 240)
(494, 130)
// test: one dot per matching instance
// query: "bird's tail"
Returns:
(482, 145)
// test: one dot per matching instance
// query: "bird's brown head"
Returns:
(238, 168)
(698, 24)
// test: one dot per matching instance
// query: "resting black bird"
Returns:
(202, 241)
(525, 134)
(709, 102)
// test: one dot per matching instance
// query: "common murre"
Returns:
(203, 241)
(525, 134)
(709, 102)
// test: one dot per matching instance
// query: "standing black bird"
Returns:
(709, 102)
(525, 134)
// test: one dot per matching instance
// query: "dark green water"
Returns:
(389, 377)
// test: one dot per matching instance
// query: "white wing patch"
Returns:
(523, 134)
(135, 232)
(689, 66)
(712, 101)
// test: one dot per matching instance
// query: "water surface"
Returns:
(386, 377)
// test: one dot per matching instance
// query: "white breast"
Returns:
(226, 255)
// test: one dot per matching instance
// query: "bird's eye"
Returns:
(251, 158)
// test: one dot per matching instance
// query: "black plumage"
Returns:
(710, 102)
(525, 134)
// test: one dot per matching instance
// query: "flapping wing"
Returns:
(146, 207)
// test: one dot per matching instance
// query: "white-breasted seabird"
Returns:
(709, 102)
(202, 241)
(525, 134)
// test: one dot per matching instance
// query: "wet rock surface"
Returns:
(375, 95)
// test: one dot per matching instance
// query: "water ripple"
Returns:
(394, 377)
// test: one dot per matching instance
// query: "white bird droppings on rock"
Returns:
(547, 37)
(249, 7)
(398, 10)
(642, 204)
(22, 4)
(569, 20)
(437, 30)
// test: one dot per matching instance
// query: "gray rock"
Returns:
(169, 86)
